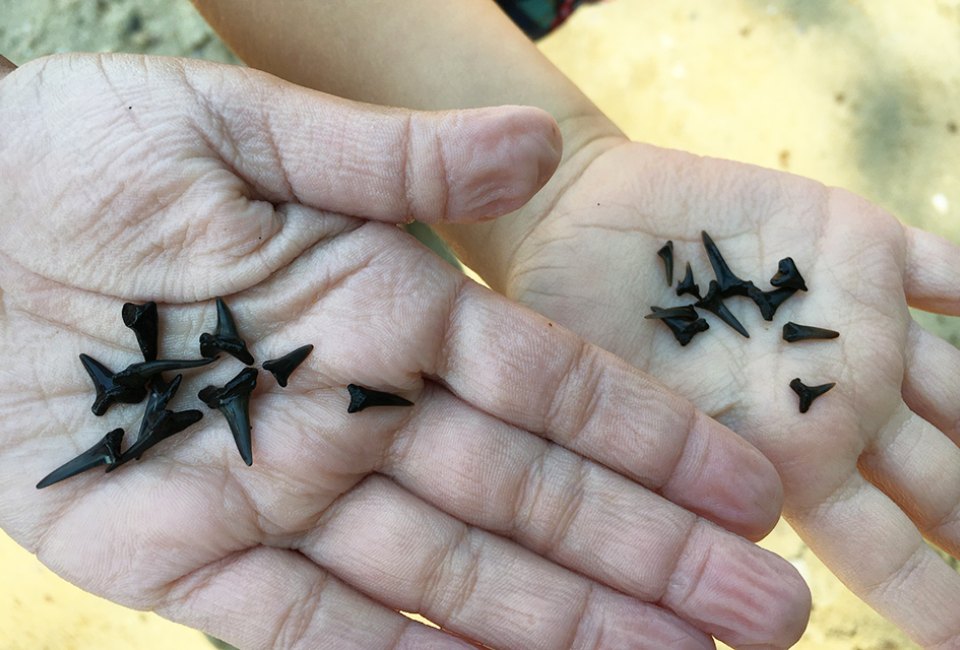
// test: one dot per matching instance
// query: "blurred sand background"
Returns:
(856, 94)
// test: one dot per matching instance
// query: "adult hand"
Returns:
(874, 466)
(528, 499)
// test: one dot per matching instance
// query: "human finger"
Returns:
(384, 541)
(931, 382)
(871, 545)
(543, 379)
(919, 468)
(595, 522)
(266, 597)
(296, 144)
(932, 272)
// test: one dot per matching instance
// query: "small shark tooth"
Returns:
(666, 254)
(233, 400)
(770, 301)
(283, 367)
(138, 374)
(361, 398)
(161, 426)
(109, 390)
(687, 285)
(793, 332)
(728, 283)
(683, 327)
(713, 302)
(144, 322)
(225, 337)
(788, 276)
(683, 313)
(105, 452)
(808, 393)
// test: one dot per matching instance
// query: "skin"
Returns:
(873, 468)
(541, 493)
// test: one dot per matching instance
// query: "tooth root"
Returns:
(283, 367)
(361, 398)
(144, 322)
(666, 254)
(105, 452)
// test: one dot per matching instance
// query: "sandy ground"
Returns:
(860, 95)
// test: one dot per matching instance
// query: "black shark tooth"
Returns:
(666, 254)
(683, 313)
(105, 452)
(793, 332)
(138, 374)
(233, 400)
(770, 301)
(282, 368)
(683, 328)
(728, 283)
(158, 423)
(361, 398)
(808, 393)
(109, 390)
(687, 285)
(788, 276)
(713, 302)
(144, 322)
(225, 337)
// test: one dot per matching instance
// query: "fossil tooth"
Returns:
(233, 400)
(687, 285)
(361, 398)
(666, 254)
(793, 332)
(144, 322)
(225, 337)
(108, 389)
(282, 368)
(788, 276)
(808, 393)
(105, 452)
(728, 283)
(713, 302)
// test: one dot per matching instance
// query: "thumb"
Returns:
(294, 144)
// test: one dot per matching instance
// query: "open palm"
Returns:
(489, 505)
(874, 463)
